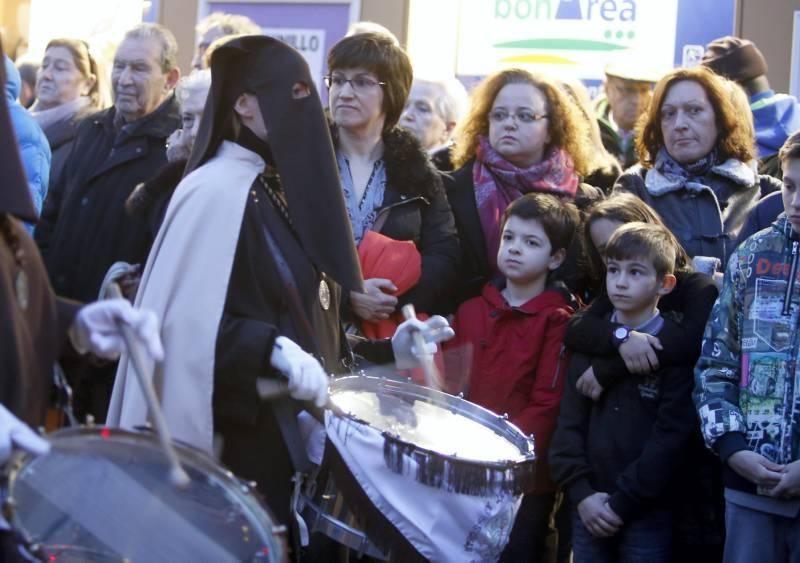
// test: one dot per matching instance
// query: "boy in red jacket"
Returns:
(515, 330)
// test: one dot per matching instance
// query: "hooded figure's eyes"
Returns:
(300, 90)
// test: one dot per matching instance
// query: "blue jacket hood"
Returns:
(776, 116)
(13, 80)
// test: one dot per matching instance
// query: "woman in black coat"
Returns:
(522, 135)
(389, 183)
(67, 90)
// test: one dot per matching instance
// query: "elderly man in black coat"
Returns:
(84, 228)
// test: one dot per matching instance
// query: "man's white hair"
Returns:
(165, 38)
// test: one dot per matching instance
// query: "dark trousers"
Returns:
(531, 527)
(646, 539)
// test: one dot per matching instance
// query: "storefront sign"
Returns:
(570, 38)
(310, 27)
(309, 42)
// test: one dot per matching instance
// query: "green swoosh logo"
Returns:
(561, 44)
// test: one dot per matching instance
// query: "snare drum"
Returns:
(411, 473)
(104, 495)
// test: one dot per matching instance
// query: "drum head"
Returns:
(442, 440)
(104, 495)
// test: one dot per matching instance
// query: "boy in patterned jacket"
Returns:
(747, 384)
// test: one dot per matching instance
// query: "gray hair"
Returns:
(198, 83)
(228, 24)
(165, 38)
(452, 100)
(359, 27)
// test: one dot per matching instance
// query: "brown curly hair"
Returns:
(734, 138)
(564, 125)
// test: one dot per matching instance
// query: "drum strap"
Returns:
(285, 413)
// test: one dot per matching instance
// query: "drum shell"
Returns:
(371, 484)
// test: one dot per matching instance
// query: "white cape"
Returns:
(185, 282)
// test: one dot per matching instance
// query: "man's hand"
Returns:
(376, 303)
(598, 517)
(789, 485)
(588, 386)
(639, 353)
(756, 468)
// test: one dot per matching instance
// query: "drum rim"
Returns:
(245, 495)
(511, 432)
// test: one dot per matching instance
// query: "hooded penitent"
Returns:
(31, 329)
(190, 270)
(299, 141)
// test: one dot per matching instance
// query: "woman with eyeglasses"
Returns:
(393, 194)
(522, 134)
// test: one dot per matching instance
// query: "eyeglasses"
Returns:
(499, 116)
(357, 83)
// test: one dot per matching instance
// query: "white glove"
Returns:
(95, 329)
(434, 330)
(307, 379)
(15, 433)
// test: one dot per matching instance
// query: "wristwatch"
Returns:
(620, 335)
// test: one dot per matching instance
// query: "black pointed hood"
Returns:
(298, 138)
(15, 195)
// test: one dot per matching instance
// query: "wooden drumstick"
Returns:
(432, 377)
(178, 475)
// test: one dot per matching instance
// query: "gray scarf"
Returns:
(47, 117)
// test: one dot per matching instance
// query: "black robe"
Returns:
(256, 312)
(33, 329)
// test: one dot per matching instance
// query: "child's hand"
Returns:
(756, 468)
(639, 353)
(598, 517)
(789, 485)
(588, 386)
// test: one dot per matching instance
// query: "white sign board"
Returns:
(794, 78)
(566, 38)
(101, 23)
(309, 42)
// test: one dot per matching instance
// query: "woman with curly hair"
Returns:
(697, 164)
(522, 135)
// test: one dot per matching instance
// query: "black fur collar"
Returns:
(409, 171)
(147, 194)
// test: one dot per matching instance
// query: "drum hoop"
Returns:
(247, 497)
(446, 471)
(455, 474)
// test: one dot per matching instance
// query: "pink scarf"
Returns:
(498, 183)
